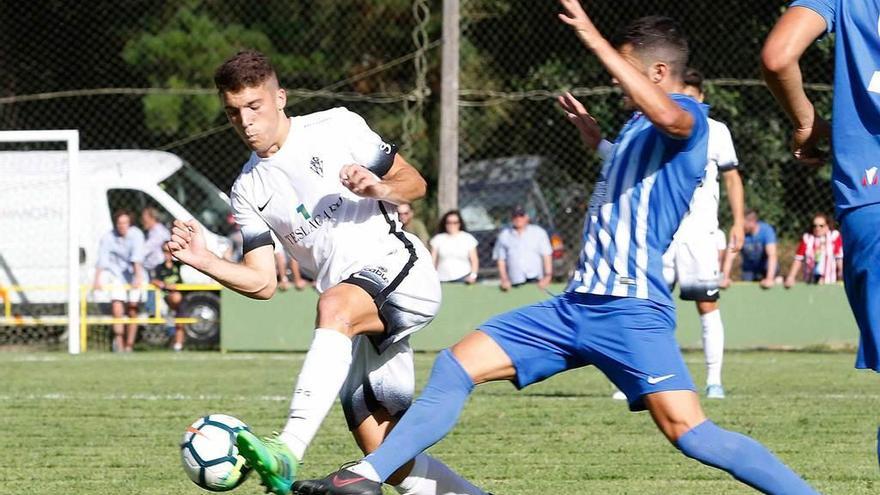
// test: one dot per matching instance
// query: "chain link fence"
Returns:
(138, 75)
(516, 57)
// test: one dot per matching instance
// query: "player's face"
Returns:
(256, 114)
(628, 54)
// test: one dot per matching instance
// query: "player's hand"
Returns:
(137, 282)
(805, 142)
(789, 282)
(300, 284)
(724, 283)
(586, 125)
(767, 283)
(361, 181)
(575, 17)
(284, 284)
(505, 285)
(187, 244)
(737, 236)
(97, 285)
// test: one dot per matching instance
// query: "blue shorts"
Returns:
(632, 341)
(861, 277)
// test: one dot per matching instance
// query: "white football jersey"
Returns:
(296, 194)
(702, 218)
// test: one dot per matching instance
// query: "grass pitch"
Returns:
(107, 424)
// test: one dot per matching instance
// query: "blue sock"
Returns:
(744, 458)
(428, 420)
(878, 444)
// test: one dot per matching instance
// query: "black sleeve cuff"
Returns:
(384, 159)
(251, 243)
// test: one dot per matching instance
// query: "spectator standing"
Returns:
(157, 235)
(523, 253)
(820, 254)
(759, 253)
(411, 224)
(166, 276)
(120, 269)
(454, 250)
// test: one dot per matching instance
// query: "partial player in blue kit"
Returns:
(617, 312)
(855, 137)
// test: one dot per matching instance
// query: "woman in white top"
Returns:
(454, 250)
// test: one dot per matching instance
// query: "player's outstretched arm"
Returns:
(254, 277)
(657, 106)
(794, 32)
(402, 184)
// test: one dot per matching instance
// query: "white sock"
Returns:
(713, 345)
(320, 379)
(431, 477)
(366, 470)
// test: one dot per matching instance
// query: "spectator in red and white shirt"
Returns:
(819, 256)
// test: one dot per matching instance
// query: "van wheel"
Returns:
(205, 307)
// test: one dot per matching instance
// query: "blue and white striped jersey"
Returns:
(643, 191)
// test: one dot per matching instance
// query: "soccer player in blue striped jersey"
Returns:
(617, 313)
(855, 138)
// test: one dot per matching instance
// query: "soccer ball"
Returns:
(209, 455)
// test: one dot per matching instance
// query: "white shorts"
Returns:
(692, 262)
(378, 379)
(114, 289)
(406, 289)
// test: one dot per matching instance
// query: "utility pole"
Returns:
(448, 173)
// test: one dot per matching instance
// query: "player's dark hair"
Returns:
(442, 227)
(751, 211)
(693, 77)
(658, 37)
(246, 69)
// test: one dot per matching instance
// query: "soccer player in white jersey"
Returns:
(695, 256)
(326, 186)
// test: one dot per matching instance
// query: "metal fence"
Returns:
(138, 75)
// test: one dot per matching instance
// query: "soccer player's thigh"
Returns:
(378, 390)
(380, 384)
(632, 341)
(538, 341)
(697, 264)
(861, 249)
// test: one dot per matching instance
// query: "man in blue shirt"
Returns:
(523, 253)
(855, 138)
(617, 312)
(759, 260)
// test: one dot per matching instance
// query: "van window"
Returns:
(201, 198)
(135, 201)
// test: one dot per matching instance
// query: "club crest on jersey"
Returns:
(317, 166)
(871, 177)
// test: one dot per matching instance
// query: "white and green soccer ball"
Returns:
(209, 455)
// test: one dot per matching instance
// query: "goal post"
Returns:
(20, 181)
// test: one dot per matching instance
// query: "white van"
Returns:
(32, 250)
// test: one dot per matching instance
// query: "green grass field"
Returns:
(107, 424)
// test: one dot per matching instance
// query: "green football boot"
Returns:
(271, 459)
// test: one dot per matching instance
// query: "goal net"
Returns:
(39, 252)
